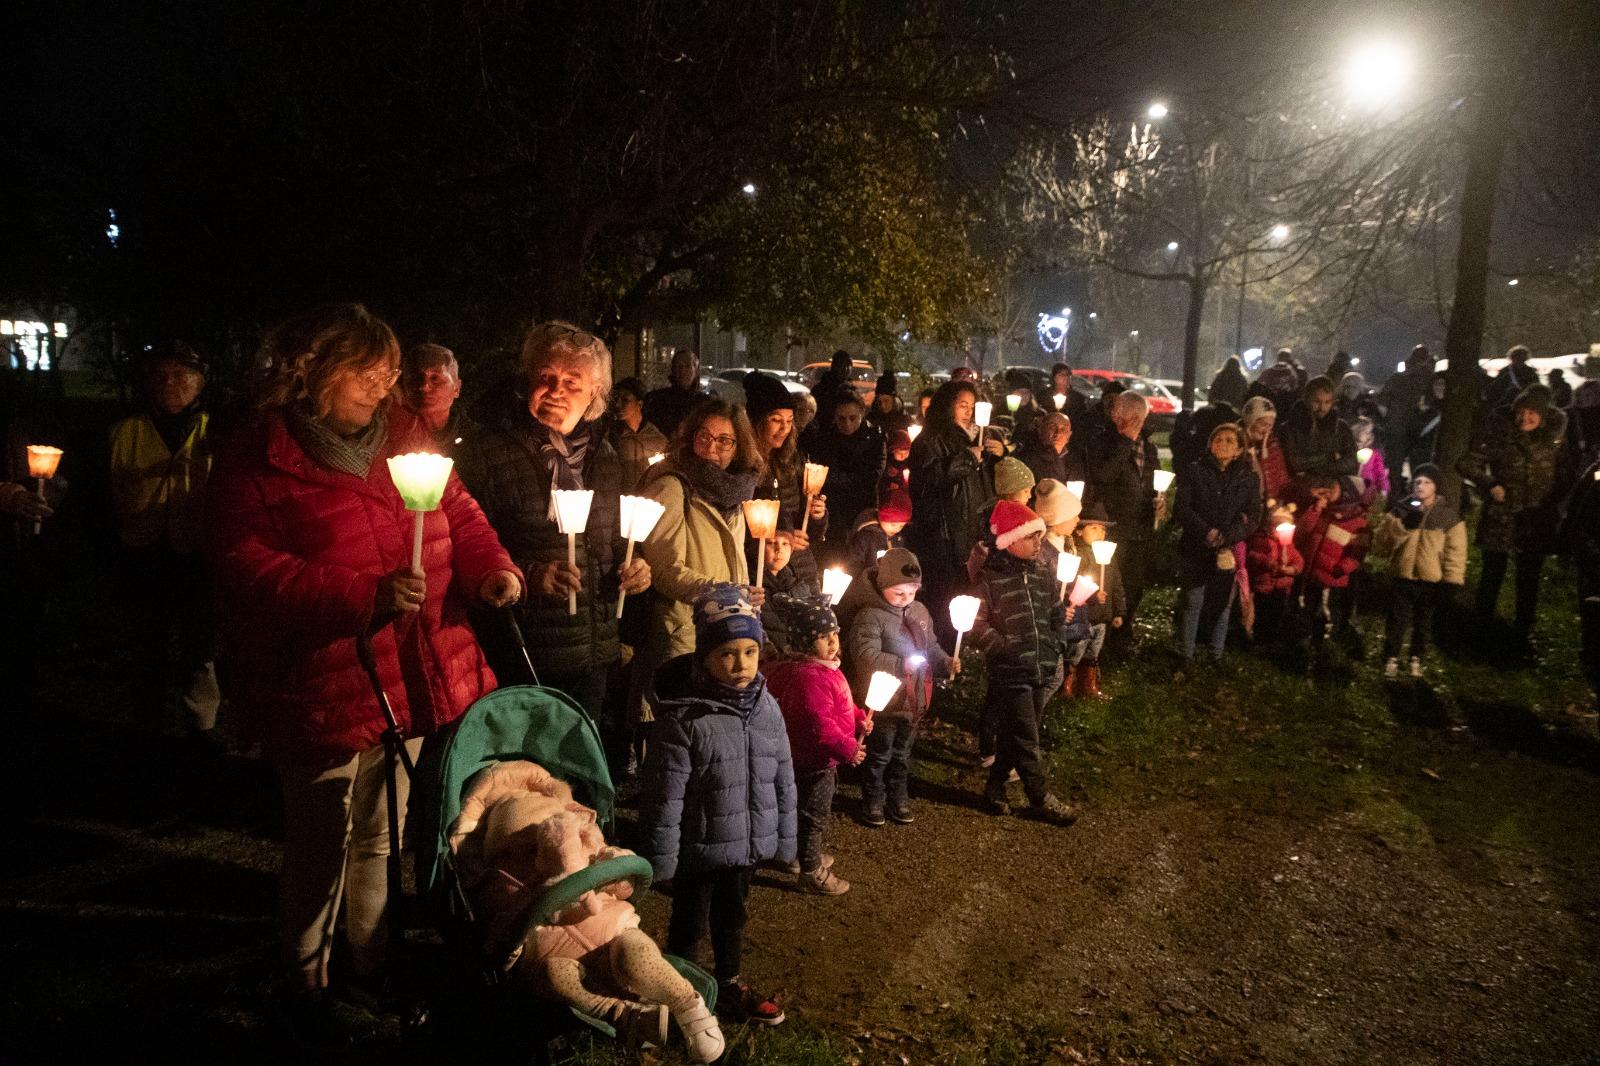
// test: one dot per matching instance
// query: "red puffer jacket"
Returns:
(1268, 561)
(297, 551)
(818, 711)
(1333, 542)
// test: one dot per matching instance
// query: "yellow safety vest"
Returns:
(158, 494)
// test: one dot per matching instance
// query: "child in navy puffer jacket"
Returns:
(718, 796)
(825, 729)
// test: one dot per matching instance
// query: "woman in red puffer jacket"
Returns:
(310, 546)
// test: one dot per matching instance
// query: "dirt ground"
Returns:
(1267, 869)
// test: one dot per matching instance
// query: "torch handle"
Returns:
(416, 542)
(38, 523)
(805, 517)
(627, 560)
(1102, 575)
(1063, 590)
(959, 634)
(572, 561)
(761, 560)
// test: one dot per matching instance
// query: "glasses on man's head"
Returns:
(722, 442)
(379, 377)
(574, 336)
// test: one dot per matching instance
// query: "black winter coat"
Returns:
(1045, 462)
(1121, 478)
(949, 489)
(1321, 446)
(1019, 619)
(853, 463)
(1210, 497)
(786, 484)
(505, 472)
(1524, 465)
(1580, 532)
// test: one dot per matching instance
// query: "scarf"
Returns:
(350, 455)
(741, 700)
(726, 490)
(563, 456)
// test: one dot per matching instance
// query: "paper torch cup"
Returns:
(420, 478)
(572, 517)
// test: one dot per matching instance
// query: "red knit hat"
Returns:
(899, 439)
(896, 505)
(1011, 521)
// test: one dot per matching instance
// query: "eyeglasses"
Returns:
(379, 377)
(723, 443)
(578, 338)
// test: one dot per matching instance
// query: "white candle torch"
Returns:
(1013, 402)
(1103, 551)
(1285, 531)
(1085, 587)
(963, 613)
(1163, 480)
(654, 459)
(1061, 400)
(914, 431)
(880, 690)
(420, 478)
(761, 520)
(981, 411)
(1363, 455)
(815, 475)
(638, 517)
(834, 583)
(42, 462)
(572, 517)
(1076, 488)
(1066, 569)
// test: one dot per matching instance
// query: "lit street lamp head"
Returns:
(1280, 232)
(1158, 110)
(1376, 74)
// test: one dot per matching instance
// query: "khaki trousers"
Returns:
(335, 848)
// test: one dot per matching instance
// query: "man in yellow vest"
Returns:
(160, 461)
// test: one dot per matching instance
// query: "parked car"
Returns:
(1163, 405)
(728, 384)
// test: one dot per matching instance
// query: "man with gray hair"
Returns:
(430, 384)
(1122, 466)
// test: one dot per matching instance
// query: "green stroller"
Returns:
(544, 726)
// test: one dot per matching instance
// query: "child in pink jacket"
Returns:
(825, 729)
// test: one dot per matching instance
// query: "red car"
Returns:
(1163, 405)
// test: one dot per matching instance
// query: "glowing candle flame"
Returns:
(43, 460)
(834, 583)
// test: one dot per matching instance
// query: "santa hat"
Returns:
(1011, 522)
(896, 505)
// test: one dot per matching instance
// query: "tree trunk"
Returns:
(1463, 345)
(1191, 339)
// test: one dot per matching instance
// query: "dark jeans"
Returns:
(1133, 560)
(1529, 567)
(715, 898)
(814, 805)
(1017, 710)
(1203, 613)
(888, 763)
(1411, 606)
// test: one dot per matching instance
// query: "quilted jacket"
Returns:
(1333, 542)
(884, 637)
(1212, 497)
(718, 786)
(505, 472)
(817, 709)
(1018, 620)
(1267, 560)
(297, 551)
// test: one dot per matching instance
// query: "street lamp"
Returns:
(1172, 246)
(1158, 110)
(1376, 74)
(749, 188)
(1512, 282)
(1280, 232)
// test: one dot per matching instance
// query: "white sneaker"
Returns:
(1416, 666)
(1391, 668)
(701, 1034)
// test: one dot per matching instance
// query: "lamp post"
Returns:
(420, 478)
(572, 518)
(639, 517)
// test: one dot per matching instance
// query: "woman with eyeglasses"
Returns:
(715, 466)
(545, 437)
(310, 546)
(771, 408)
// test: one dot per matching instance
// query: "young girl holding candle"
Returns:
(825, 729)
(1107, 609)
(892, 631)
(1019, 615)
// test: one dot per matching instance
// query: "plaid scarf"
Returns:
(350, 455)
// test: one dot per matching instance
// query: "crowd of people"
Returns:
(730, 690)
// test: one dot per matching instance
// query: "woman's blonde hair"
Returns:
(307, 353)
(747, 453)
(563, 345)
